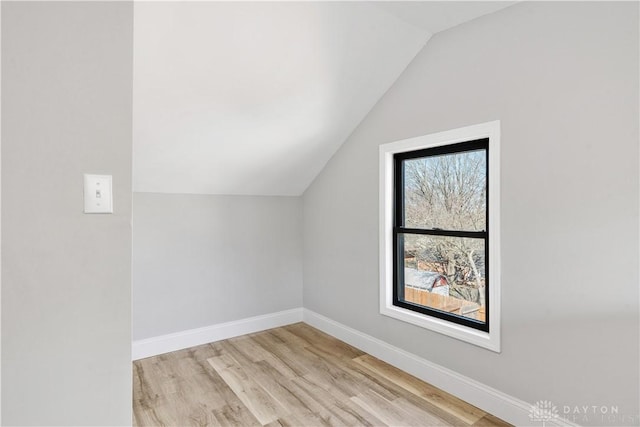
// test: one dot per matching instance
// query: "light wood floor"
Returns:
(289, 376)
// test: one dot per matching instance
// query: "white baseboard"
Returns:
(495, 402)
(190, 338)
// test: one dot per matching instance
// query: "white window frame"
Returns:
(491, 130)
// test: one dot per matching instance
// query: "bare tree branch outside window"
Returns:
(448, 192)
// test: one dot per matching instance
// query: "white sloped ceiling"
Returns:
(254, 98)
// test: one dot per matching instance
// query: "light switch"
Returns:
(98, 196)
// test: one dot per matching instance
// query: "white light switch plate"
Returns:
(98, 197)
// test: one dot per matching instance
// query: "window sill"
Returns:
(463, 333)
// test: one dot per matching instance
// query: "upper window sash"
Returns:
(413, 170)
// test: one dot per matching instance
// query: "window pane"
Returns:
(445, 273)
(446, 191)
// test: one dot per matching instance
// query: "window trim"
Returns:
(491, 338)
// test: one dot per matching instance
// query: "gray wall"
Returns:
(563, 79)
(200, 260)
(66, 276)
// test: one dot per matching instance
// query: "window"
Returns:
(439, 232)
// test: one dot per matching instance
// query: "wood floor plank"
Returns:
(259, 402)
(286, 355)
(150, 394)
(319, 339)
(191, 402)
(289, 376)
(234, 416)
(278, 386)
(420, 413)
(290, 420)
(180, 388)
(315, 400)
(419, 402)
(451, 404)
(341, 373)
(327, 368)
(333, 407)
(385, 410)
(285, 337)
(490, 421)
(334, 379)
(298, 420)
(250, 350)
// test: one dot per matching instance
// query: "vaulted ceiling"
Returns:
(254, 98)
